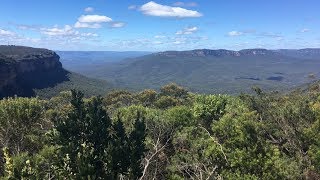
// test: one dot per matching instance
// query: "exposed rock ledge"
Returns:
(24, 68)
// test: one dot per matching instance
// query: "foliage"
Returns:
(22, 124)
(173, 90)
(209, 108)
(147, 97)
(172, 134)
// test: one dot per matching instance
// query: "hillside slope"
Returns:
(213, 71)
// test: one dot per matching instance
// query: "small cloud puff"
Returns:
(117, 24)
(91, 21)
(154, 9)
(89, 9)
(186, 31)
(132, 7)
(235, 33)
(304, 30)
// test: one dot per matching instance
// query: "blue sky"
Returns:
(128, 25)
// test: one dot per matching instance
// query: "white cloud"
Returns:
(66, 31)
(186, 31)
(269, 35)
(89, 34)
(153, 9)
(54, 37)
(235, 33)
(279, 38)
(187, 4)
(55, 31)
(304, 30)
(89, 9)
(157, 42)
(6, 33)
(179, 42)
(91, 21)
(117, 24)
(131, 7)
(87, 25)
(159, 36)
(27, 27)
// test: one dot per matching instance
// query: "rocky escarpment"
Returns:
(23, 69)
(216, 53)
(309, 53)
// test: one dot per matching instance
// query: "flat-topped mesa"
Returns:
(215, 53)
(22, 67)
(27, 59)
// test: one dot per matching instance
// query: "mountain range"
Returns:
(212, 71)
(27, 71)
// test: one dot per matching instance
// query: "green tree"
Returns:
(209, 108)
(116, 99)
(22, 124)
(84, 137)
(173, 90)
(120, 147)
(166, 101)
(137, 147)
(147, 97)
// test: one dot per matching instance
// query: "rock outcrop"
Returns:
(215, 53)
(23, 69)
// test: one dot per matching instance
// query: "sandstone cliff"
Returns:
(24, 68)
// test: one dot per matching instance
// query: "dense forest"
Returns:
(169, 134)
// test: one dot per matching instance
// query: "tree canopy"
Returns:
(171, 134)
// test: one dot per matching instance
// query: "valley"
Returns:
(206, 71)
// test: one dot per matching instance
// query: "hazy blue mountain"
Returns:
(308, 53)
(85, 61)
(214, 71)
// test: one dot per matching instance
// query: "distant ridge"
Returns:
(216, 53)
(308, 53)
(216, 71)
(299, 53)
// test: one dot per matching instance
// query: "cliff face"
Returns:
(215, 53)
(23, 68)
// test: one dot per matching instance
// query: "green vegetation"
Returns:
(170, 134)
(89, 86)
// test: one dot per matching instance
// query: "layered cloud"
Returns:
(256, 34)
(6, 33)
(55, 31)
(269, 35)
(87, 25)
(235, 33)
(66, 31)
(186, 31)
(187, 4)
(159, 36)
(154, 9)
